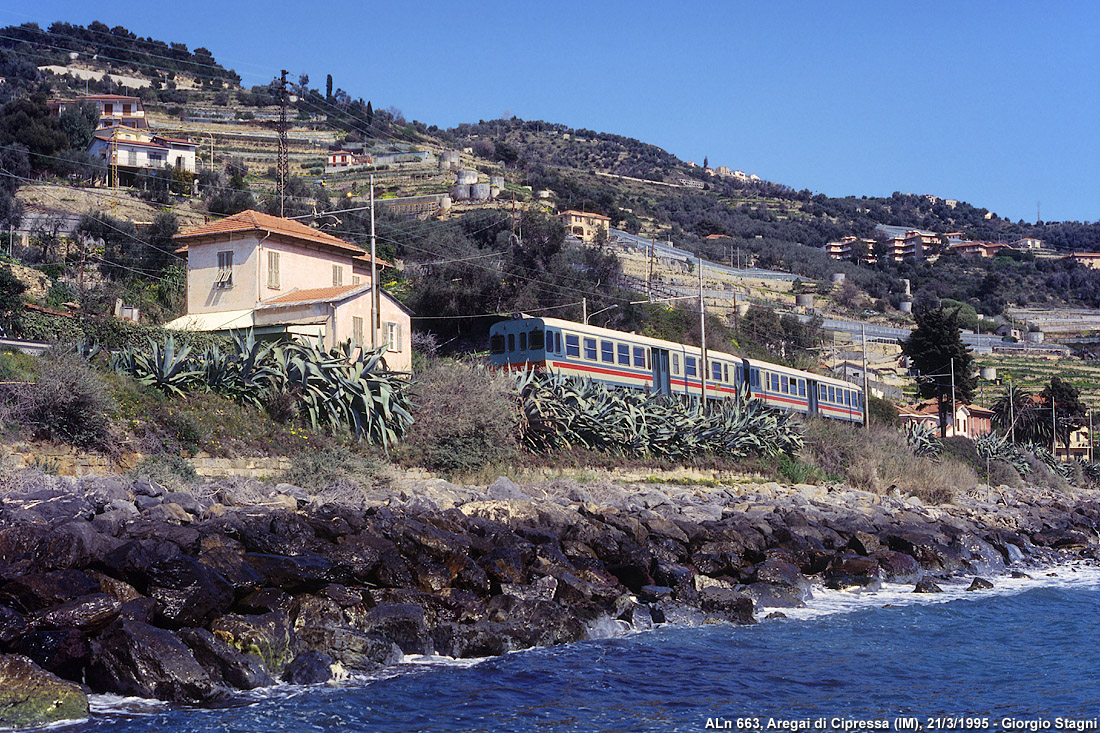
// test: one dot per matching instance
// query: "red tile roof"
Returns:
(317, 295)
(254, 221)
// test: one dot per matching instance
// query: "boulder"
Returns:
(134, 658)
(31, 697)
(300, 573)
(769, 595)
(897, 567)
(399, 623)
(223, 663)
(726, 604)
(88, 613)
(43, 590)
(12, 625)
(269, 636)
(980, 584)
(189, 593)
(65, 652)
(864, 543)
(853, 571)
(309, 668)
(784, 575)
(926, 585)
(351, 648)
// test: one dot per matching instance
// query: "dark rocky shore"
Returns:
(111, 585)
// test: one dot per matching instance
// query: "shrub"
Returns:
(882, 412)
(798, 472)
(466, 417)
(333, 466)
(170, 470)
(962, 448)
(68, 403)
(1001, 473)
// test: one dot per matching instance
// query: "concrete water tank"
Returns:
(449, 156)
(906, 287)
(1035, 337)
(445, 202)
(836, 278)
(458, 193)
(988, 373)
(804, 301)
(467, 177)
(494, 191)
(479, 191)
(497, 181)
(905, 306)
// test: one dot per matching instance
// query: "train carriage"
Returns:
(664, 367)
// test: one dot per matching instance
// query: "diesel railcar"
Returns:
(664, 367)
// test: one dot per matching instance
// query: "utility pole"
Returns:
(1053, 425)
(953, 408)
(584, 311)
(1011, 413)
(702, 340)
(866, 392)
(375, 303)
(284, 156)
(649, 275)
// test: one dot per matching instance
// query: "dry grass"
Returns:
(878, 460)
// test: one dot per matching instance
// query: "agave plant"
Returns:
(165, 367)
(922, 440)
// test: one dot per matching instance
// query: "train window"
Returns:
(783, 384)
(832, 395)
(511, 342)
(801, 387)
(822, 392)
(572, 344)
(689, 366)
(754, 377)
(675, 363)
(537, 341)
(716, 371)
(523, 341)
(740, 372)
(639, 357)
(496, 344)
(775, 383)
(726, 372)
(607, 351)
(557, 342)
(590, 349)
(624, 354)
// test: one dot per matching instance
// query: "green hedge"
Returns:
(110, 333)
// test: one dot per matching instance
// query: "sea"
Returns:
(1024, 656)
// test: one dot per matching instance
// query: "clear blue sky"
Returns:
(995, 103)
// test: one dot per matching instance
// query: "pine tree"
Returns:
(328, 88)
(370, 113)
(936, 349)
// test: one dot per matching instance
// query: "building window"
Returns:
(273, 274)
(225, 270)
(354, 279)
(356, 329)
(126, 109)
(131, 156)
(337, 276)
(393, 335)
(108, 109)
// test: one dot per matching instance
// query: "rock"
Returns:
(88, 613)
(301, 573)
(775, 615)
(853, 571)
(727, 604)
(897, 567)
(189, 593)
(266, 600)
(230, 564)
(64, 652)
(542, 589)
(142, 503)
(654, 593)
(1017, 574)
(284, 502)
(185, 501)
(168, 512)
(270, 637)
(784, 575)
(351, 648)
(768, 595)
(926, 585)
(980, 584)
(308, 668)
(223, 663)
(12, 625)
(399, 623)
(864, 543)
(139, 609)
(504, 488)
(43, 590)
(133, 658)
(31, 697)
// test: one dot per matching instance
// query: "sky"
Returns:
(996, 103)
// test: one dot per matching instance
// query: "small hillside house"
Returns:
(585, 225)
(114, 109)
(284, 279)
(971, 421)
(132, 151)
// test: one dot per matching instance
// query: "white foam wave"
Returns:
(1072, 575)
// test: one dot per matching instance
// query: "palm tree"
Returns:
(1023, 416)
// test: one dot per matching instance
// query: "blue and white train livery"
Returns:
(664, 367)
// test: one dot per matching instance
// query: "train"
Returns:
(661, 367)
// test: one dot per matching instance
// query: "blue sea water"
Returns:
(1026, 651)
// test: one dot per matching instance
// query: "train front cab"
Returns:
(518, 344)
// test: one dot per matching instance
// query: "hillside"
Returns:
(544, 166)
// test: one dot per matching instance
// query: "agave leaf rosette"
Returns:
(165, 367)
(922, 440)
(559, 412)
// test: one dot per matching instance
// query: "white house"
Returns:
(134, 150)
(285, 279)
